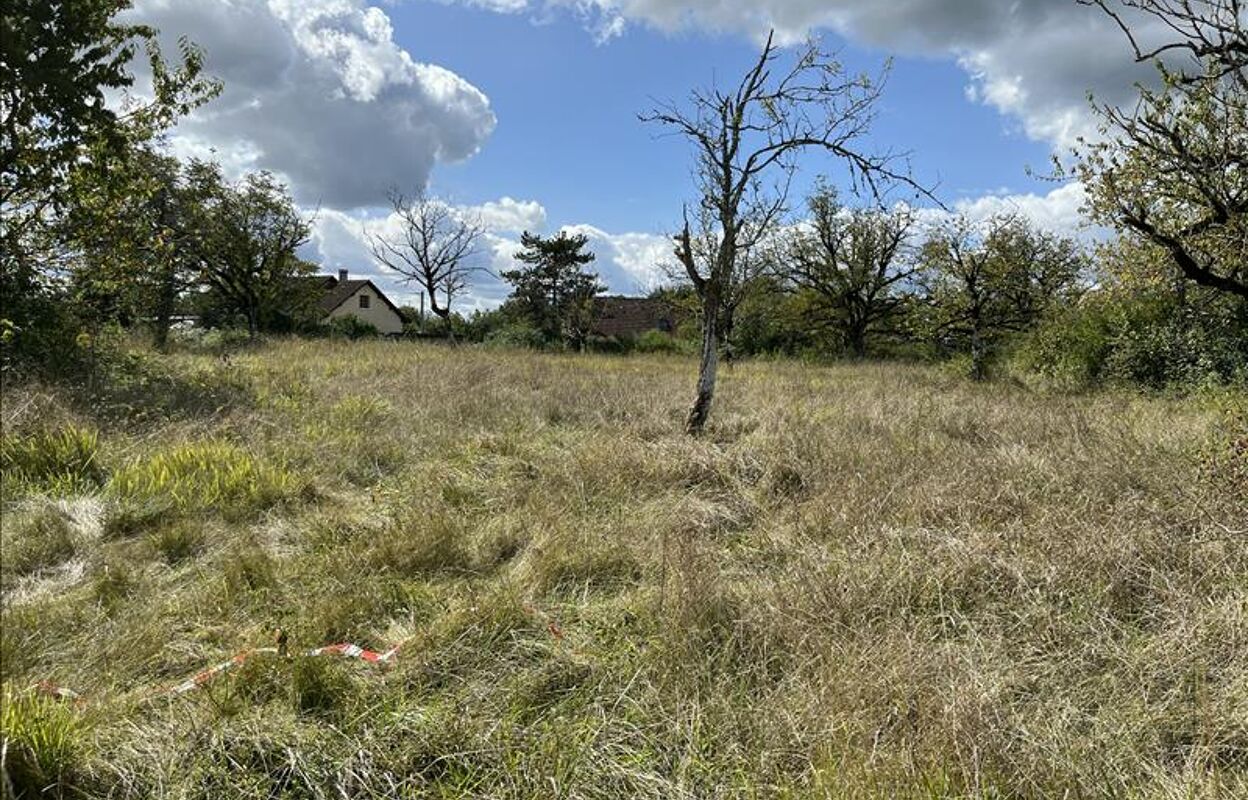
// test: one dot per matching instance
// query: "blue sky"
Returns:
(567, 110)
(525, 111)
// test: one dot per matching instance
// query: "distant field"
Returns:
(868, 580)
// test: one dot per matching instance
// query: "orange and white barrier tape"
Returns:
(344, 649)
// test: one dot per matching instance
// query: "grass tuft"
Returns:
(58, 462)
(213, 475)
(44, 745)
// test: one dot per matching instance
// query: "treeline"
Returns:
(101, 228)
(997, 295)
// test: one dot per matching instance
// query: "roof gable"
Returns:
(342, 291)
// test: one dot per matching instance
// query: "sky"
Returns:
(525, 112)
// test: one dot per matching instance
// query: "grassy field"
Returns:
(870, 580)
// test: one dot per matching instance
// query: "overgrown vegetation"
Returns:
(865, 580)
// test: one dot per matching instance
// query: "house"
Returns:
(623, 317)
(359, 298)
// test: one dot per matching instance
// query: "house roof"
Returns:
(623, 316)
(341, 291)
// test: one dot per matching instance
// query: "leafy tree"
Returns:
(131, 232)
(432, 247)
(554, 294)
(745, 141)
(988, 279)
(246, 235)
(1173, 168)
(852, 263)
(58, 62)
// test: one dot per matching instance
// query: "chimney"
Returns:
(342, 275)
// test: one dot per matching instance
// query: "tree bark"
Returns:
(978, 372)
(707, 369)
(164, 312)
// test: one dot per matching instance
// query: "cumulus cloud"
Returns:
(1056, 211)
(319, 92)
(507, 215)
(628, 263)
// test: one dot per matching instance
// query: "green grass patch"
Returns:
(196, 476)
(44, 743)
(57, 462)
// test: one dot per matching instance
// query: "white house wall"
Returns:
(378, 314)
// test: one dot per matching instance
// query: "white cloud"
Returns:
(1056, 211)
(507, 215)
(628, 263)
(319, 92)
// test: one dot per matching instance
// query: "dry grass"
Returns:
(866, 581)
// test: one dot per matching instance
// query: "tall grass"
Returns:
(201, 475)
(865, 581)
(59, 462)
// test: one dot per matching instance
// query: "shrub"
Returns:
(659, 342)
(350, 327)
(516, 335)
(1068, 349)
(61, 462)
(1139, 340)
(43, 738)
(204, 475)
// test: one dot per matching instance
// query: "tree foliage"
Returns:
(246, 234)
(1173, 168)
(855, 264)
(554, 294)
(745, 143)
(69, 125)
(984, 280)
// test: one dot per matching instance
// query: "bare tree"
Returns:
(1173, 168)
(433, 247)
(746, 141)
(852, 262)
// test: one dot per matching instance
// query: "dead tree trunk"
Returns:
(708, 368)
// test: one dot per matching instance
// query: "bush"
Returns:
(1139, 340)
(60, 462)
(1178, 349)
(659, 342)
(43, 738)
(350, 327)
(1068, 348)
(516, 336)
(204, 475)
